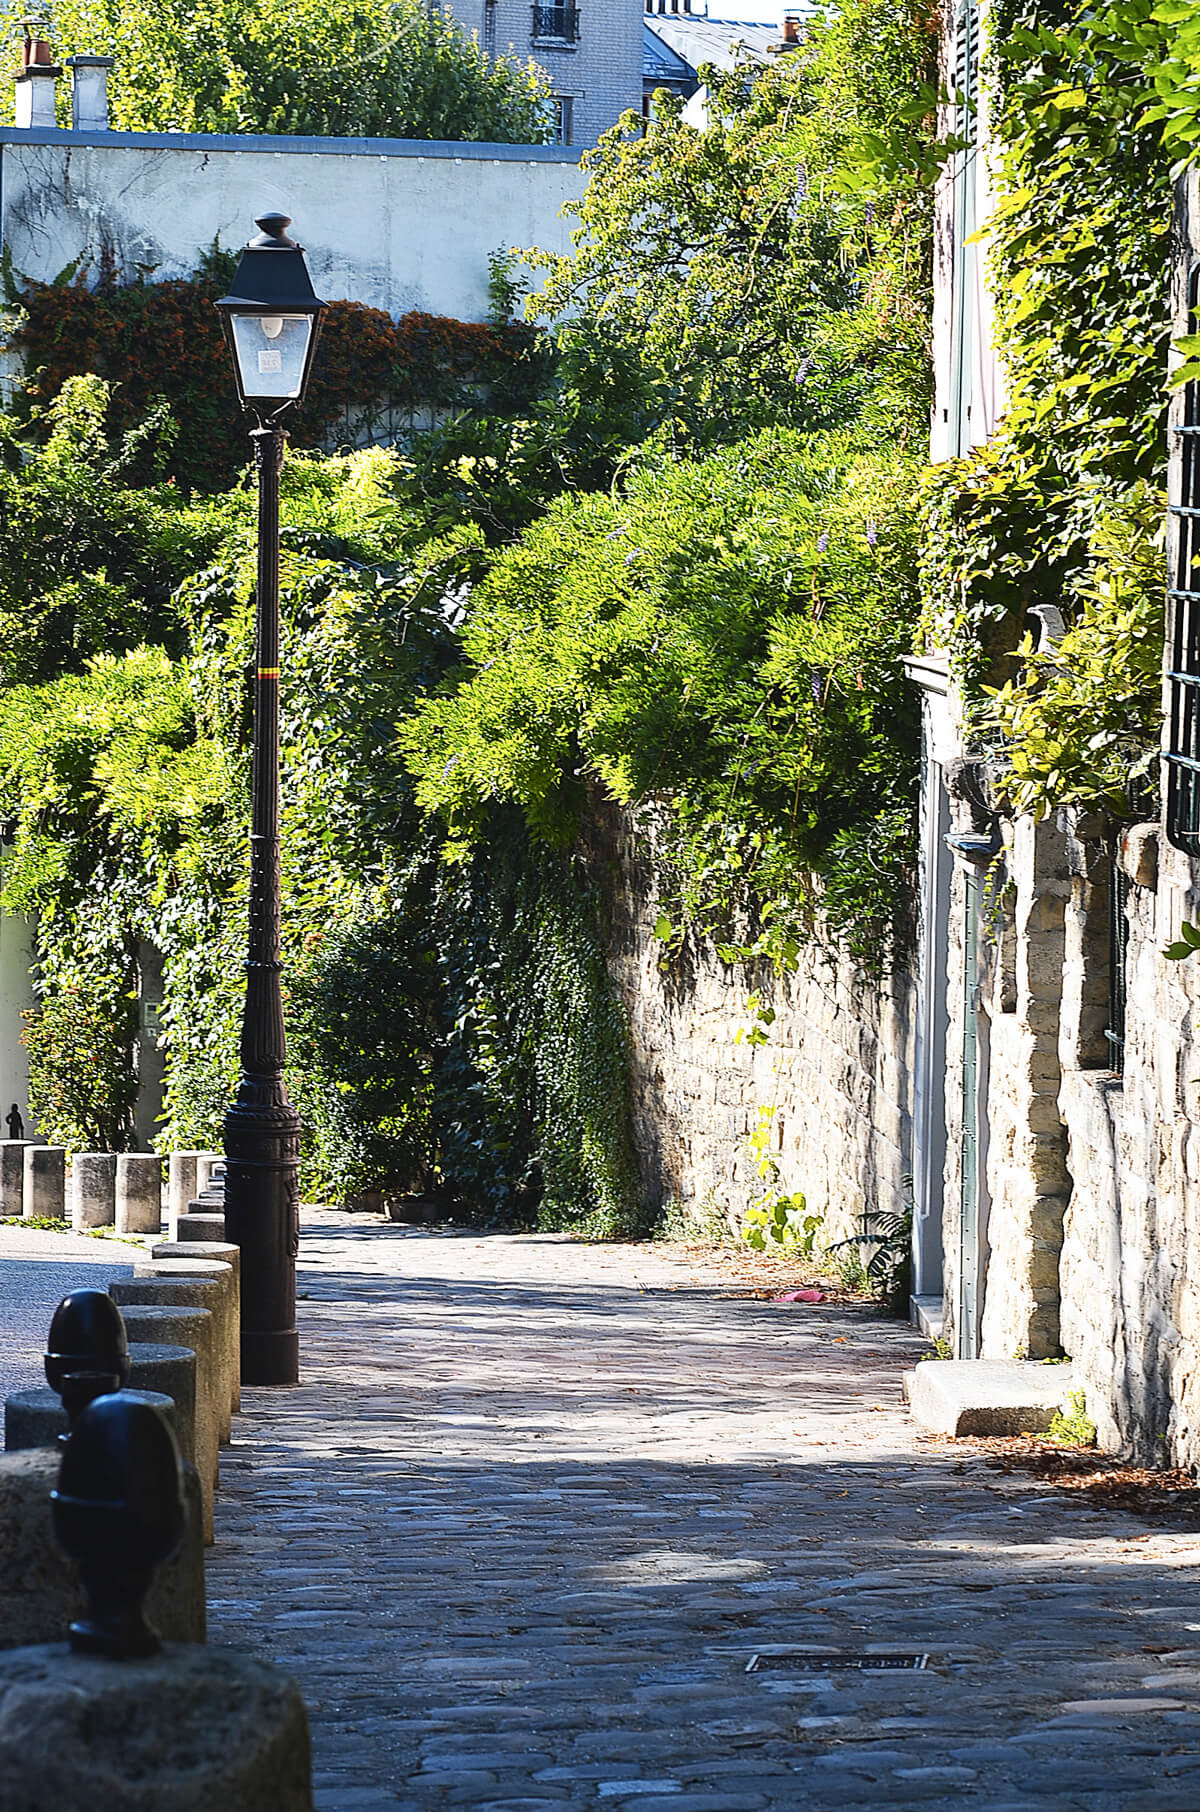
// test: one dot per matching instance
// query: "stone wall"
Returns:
(1089, 1174)
(1130, 1271)
(831, 1084)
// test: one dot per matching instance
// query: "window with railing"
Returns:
(1182, 753)
(560, 23)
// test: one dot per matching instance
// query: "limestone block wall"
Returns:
(1131, 1260)
(832, 1082)
(1028, 1183)
(1088, 1198)
(1021, 1179)
(1131, 1254)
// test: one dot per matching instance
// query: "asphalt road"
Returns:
(36, 1271)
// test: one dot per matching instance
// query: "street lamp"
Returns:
(272, 320)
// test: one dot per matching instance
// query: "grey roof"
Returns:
(713, 40)
(662, 64)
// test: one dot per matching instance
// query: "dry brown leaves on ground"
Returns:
(1097, 1478)
(757, 1274)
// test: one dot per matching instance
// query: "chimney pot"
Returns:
(35, 44)
(36, 80)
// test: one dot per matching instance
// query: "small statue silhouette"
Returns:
(14, 1122)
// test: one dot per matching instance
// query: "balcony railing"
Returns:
(561, 23)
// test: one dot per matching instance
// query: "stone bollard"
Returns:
(44, 1195)
(183, 1730)
(139, 1192)
(36, 1418)
(209, 1228)
(173, 1370)
(93, 1188)
(195, 1328)
(183, 1184)
(210, 1173)
(228, 1307)
(12, 1176)
(191, 1291)
(39, 1592)
(116, 1720)
(213, 1252)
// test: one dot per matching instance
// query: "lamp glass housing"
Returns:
(272, 354)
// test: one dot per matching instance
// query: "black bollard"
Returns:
(87, 1355)
(118, 1513)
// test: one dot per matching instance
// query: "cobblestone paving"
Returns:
(536, 1505)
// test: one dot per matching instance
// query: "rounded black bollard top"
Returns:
(118, 1512)
(87, 1334)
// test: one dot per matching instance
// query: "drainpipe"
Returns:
(89, 92)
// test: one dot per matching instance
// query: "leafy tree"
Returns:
(716, 637)
(721, 641)
(82, 1086)
(736, 267)
(456, 1029)
(774, 270)
(90, 558)
(383, 69)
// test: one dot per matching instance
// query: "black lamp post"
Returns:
(272, 320)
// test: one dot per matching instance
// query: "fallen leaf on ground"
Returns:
(800, 1296)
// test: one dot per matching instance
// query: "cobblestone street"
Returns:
(536, 1505)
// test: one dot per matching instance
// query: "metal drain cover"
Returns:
(810, 1663)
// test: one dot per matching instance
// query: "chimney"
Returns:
(37, 78)
(89, 92)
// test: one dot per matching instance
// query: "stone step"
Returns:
(986, 1396)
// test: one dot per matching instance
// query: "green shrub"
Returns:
(721, 642)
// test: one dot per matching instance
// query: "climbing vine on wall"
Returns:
(163, 340)
(451, 1030)
(1059, 509)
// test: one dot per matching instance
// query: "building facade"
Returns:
(1056, 1125)
(590, 49)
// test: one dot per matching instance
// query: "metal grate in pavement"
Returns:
(808, 1663)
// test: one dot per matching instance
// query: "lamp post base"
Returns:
(272, 1358)
(262, 1204)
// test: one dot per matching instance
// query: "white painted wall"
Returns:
(16, 993)
(398, 224)
(984, 377)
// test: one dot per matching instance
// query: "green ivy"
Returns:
(453, 1030)
(722, 641)
(1081, 723)
(1059, 509)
